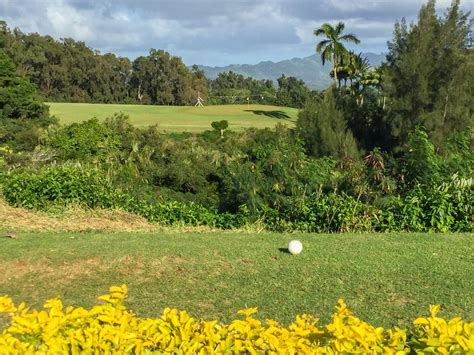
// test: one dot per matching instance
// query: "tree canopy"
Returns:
(429, 74)
(22, 113)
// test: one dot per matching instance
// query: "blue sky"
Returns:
(211, 32)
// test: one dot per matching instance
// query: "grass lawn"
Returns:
(387, 279)
(180, 118)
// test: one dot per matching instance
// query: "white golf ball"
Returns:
(295, 247)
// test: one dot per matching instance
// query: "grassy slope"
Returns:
(386, 279)
(180, 118)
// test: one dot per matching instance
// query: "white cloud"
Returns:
(210, 31)
(63, 19)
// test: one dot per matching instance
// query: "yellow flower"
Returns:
(6, 305)
(247, 312)
(111, 328)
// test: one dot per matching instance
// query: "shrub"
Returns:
(446, 207)
(323, 128)
(85, 140)
(319, 213)
(75, 184)
(111, 328)
(59, 185)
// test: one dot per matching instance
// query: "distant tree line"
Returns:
(233, 88)
(69, 71)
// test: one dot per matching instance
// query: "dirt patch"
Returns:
(167, 263)
(71, 220)
(398, 300)
(44, 269)
(69, 271)
(127, 266)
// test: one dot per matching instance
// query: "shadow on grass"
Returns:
(284, 250)
(281, 115)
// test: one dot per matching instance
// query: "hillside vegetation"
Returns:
(384, 149)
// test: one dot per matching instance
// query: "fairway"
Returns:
(180, 118)
(386, 279)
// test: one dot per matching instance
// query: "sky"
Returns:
(212, 32)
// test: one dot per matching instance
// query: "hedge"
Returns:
(111, 328)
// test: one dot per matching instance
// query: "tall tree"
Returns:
(200, 84)
(323, 128)
(22, 113)
(429, 74)
(332, 48)
(291, 92)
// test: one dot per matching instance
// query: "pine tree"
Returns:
(323, 129)
(428, 76)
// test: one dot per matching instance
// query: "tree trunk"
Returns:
(446, 107)
(139, 93)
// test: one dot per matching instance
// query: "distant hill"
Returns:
(309, 69)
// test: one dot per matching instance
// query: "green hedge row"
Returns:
(442, 208)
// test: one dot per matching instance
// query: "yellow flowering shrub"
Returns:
(111, 328)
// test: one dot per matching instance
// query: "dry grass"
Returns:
(46, 270)
(69, 271)
(73, 219)
(77, 219)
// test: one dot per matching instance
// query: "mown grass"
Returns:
(180, 118)
(386, 279)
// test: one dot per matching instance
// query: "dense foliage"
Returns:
(22, 114)
(111, 327)
(69, 71)
(257, 176)
(429, 74)
(345, 167)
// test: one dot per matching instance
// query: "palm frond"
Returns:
(350, 38)
(339, 50)
(339, 28)
(325, 29)
(326, 54)
(321, 45)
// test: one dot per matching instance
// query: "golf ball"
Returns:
(295, 247)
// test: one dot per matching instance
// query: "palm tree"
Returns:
(358, 67)
(332, 47)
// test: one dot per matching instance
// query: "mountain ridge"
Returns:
(309, 69)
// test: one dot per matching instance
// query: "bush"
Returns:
(321, 213)
(447, 207)
(111, 328)
(191, 214)
(59, 185)
(85, 140)
(75, 184)
(323, 128)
